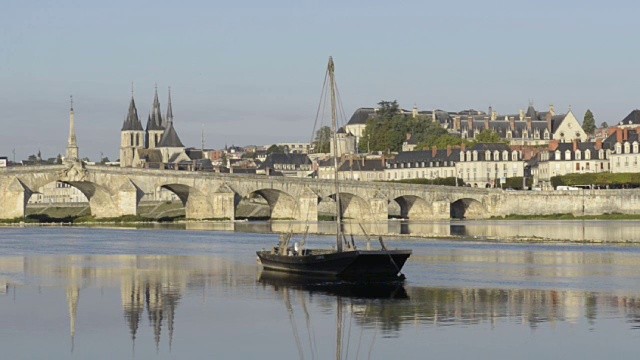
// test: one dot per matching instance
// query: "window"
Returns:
(578, 155)
(567, 155)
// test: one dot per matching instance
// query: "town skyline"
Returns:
(252, 73)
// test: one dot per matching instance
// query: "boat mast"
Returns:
(334, 132)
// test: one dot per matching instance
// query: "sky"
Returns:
(251, 72)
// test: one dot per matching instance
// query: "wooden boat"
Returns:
(342, 262)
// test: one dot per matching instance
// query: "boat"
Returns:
(346, 262)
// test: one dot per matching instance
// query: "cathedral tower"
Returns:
(155, 123)
(131, 136)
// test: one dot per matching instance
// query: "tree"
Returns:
(604, 125)
(388, 109)
(321, 144)
(275, 149)
(589, 123)
(104, 160)
(489, 136)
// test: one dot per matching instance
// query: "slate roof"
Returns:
(287, 158)
(170, 138)
(632, 119)
(563, 147)
(361, 115)
(362, 165)
(426, 156)
(131, 122)
(611, 140)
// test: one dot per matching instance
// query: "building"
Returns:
(423, 164)
(569, 158)
(527, 128)
(290, 165)
(158, 145)
(485, 165)
(622, 146)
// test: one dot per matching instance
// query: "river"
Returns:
(165, 293)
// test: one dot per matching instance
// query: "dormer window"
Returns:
(487, 155)
(618, 148)
(496, 156)
(635, 147)
(514, 156)
(567, 155)
(578, 154)
(627, 148)
(505, 155)
(475, 155)
(509, 134)
(587, 154)
(546, 134)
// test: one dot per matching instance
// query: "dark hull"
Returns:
(357, 264)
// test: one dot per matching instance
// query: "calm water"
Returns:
(187, 294)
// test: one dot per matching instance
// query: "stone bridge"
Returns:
(114, 191)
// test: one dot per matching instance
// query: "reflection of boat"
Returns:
(347, 262)
(342, 288)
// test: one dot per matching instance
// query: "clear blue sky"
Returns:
(252, 71)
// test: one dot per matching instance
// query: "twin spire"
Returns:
(156, 122)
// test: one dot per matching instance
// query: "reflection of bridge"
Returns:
(114, 192)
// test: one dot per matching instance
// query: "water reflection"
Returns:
(155, 286)
(576, 231)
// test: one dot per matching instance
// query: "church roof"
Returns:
(361, 116)
(170, 137)
(169, 114)
(131, 122)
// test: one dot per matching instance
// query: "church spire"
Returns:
(169, 114)
(72, 145)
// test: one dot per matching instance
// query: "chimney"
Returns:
(463, 147)
(521, 114)
(512, 122)
(549, 116)
(362, 162)
(552, 110)
(486, 123)
(619, 135)
(434, 152)
(529, 123)
(598, 144)
(408, 136)
(494, 116)
(456, 123)
(384, 161)
(470, 122)
(448, 150)
(575, 145)
(351, 162)
(611, 130)
(553, 145)
(626, 134)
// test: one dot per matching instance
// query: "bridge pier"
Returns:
(441, 210)
(223, 203)
(14, 200)
(379, 206)
(307, 207)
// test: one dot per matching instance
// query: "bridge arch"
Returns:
(100, 200)
(414, 207)
(195, 202)
(468, 208)
(353, 206)
(281, 204)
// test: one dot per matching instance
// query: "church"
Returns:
(156, 146)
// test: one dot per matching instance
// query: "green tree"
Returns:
(604, 125)
(589, 123)
(275, 149)
(388, 109)
(489, 136)
(321, 144)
